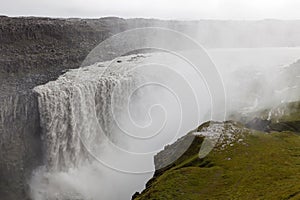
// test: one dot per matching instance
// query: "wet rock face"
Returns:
(35, 51)
(172, 152)
(259, 124)
(19, 142)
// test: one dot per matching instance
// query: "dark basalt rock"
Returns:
(293, 126)
(259, 124)
(34, 51)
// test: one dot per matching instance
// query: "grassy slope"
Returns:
(268, 167)
(263, 166)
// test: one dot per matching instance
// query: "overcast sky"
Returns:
(165, 9)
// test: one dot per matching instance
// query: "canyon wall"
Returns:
(35, 51)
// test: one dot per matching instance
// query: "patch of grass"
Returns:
(264, 166)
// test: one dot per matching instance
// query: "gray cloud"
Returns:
(166, 9)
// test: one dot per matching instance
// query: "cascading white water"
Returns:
(83, 111)
(102, 124)
(76, 112)
(76, 117)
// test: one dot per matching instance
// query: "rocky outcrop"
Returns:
(241, 169)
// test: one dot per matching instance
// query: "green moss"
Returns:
(264, 166)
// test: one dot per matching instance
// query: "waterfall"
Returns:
(79, 115)
(76, 113)
(102, 124)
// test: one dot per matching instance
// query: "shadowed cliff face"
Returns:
(19, 142)
(34, 51)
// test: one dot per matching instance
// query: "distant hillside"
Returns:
(25, 39)
(36, 50)
(232, 34)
